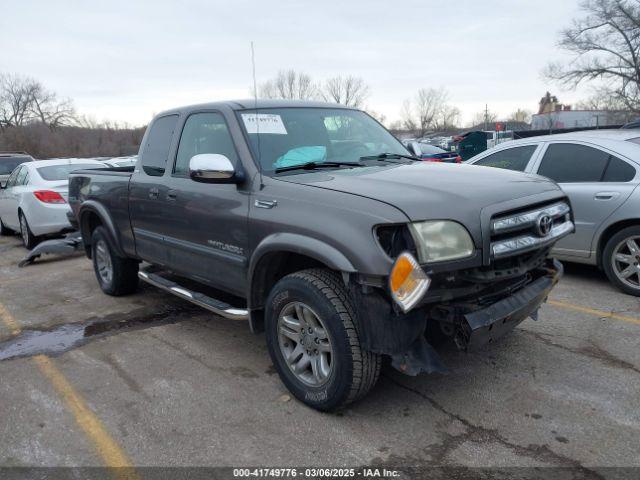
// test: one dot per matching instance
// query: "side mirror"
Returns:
(212, 168)
(414, 148)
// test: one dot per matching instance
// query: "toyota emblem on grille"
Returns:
(544, 225)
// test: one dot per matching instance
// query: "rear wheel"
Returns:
(29, 240)
(314, 343)
(621, 260)
(116, 275)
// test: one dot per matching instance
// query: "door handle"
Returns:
(265, 203)
(606, 195)
(172, 194)
(153, 193)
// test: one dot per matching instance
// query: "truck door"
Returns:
(206, 224)
(147, 191)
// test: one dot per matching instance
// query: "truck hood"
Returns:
(428, 190)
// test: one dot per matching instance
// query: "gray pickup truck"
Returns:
(318, 227)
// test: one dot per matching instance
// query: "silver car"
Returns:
(600, 172)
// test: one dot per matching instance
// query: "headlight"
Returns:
(441, 240)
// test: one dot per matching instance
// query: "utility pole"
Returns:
(486, 116)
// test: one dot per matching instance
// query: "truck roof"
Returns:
(250, 104)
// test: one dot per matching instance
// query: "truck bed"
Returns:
(108, 188)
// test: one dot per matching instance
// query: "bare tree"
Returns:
(379, 116)
(484, 119)
(520, 115)
(407, 117)
(602, 99)
(16, 96)
(420, 113)
(606, 45)
(24, 100)
(289, 84)
(447, 118)
(46, 107)
(349, 90)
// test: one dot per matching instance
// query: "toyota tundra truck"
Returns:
(314, 224)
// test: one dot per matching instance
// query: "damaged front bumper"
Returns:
(474, 321)
(487, 324)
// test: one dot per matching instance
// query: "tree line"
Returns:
(36, 120)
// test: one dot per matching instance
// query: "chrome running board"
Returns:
(216, 306)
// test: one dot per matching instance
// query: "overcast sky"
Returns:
(126, 60)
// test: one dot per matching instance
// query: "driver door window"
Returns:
(203, 133)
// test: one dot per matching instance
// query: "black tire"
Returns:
(123, 278)
(354, 371)
(29, 240)
(607, 259)
(4, 231)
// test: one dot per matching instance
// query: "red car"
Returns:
(436, 154)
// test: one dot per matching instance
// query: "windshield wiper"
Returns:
(389, 156)
(314, 165)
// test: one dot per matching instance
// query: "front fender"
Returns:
(296, 243)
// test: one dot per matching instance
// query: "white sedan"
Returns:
(34, 199)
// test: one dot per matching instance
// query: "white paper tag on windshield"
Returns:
(263, 123)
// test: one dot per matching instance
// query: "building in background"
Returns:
(553, 115)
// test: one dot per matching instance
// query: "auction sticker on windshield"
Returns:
(263, 123)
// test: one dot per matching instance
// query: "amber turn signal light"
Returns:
(407, 281)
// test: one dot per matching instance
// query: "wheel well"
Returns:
(272, 267)
(88, 223)
(610, 231)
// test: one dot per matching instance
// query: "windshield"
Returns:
(61, 172)
(285, 137)
(8, 164)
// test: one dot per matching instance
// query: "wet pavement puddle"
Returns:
(68, 336)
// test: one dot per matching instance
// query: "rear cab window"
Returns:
(515, 158)
(156, 149)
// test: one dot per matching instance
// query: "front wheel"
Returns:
(314, 343)
(116, 275)
(621, 260)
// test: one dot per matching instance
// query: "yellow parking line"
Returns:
(9, 321)
(108, 449)
(592, 311)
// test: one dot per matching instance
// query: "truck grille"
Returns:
(528, 230)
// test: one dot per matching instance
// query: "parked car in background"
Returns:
(120, 162)
(34, 199)
(599, 171)
(9, 161)
(437, 154)
(633, 124)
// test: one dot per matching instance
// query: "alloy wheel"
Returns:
(626, 261)
(103, 262)
(24, 230)
(305, 344)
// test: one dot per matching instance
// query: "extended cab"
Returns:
(316, 225)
